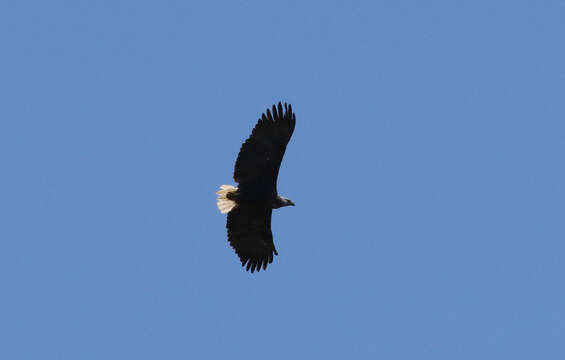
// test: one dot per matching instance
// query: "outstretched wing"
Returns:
(260, 157)
(249, 234)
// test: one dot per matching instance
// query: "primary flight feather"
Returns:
(249, 206)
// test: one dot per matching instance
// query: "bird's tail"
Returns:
(225, 205)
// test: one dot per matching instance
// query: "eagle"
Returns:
(250, 205)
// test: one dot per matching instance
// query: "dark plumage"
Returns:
(249, 206)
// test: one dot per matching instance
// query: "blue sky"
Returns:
(426, 166)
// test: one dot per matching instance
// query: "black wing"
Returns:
(259, 159)
(249, 234)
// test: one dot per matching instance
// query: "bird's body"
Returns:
(249, 206)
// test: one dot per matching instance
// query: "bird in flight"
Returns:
(250, 205)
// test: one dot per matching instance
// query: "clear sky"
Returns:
(427, 168)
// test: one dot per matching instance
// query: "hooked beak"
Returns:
(291, 203)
